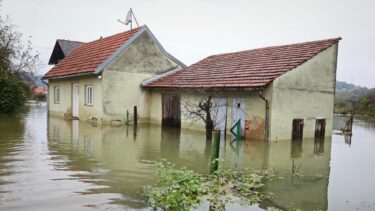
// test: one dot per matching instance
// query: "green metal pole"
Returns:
(215, 152)
(239, 130)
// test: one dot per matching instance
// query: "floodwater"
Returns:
(47, 163)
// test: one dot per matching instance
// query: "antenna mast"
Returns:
(129, 19)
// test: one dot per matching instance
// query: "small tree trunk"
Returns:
(209, 129)
(209, 122)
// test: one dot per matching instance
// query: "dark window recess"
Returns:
(297, 133)
(238, 105)
(320, 128)
(135, 115)
(171, 110)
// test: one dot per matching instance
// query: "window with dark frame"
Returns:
(89, 93)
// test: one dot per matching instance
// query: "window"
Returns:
(57, 94)
(89, 95)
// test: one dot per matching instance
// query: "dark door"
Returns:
(297, 133)
(171, 111)
(320, 128)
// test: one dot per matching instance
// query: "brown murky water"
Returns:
(47, 163)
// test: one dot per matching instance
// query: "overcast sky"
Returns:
(194, 29)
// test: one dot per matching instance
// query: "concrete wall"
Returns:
(64, 107)
(123, 77)
(254, 111)
(305, 92)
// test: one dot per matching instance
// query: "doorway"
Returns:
(297, 133)
(320, 128)
(219, 113)
(239, 113)
(75, 101)
(171, 111)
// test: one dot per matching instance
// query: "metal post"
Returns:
(215, 152)
(135, 115)
(239, 130)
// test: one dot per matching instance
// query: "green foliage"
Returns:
(358, 102)
(12, 92)
(179, 189)
(183, 189)
(39, 97)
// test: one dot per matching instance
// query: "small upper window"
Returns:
(57, 94)
(89, 95)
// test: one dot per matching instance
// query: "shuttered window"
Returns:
(57, 94)
(89, 95)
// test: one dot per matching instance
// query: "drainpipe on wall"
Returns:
(46, 83)
(266, 128)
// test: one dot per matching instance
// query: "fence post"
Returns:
(135, 115)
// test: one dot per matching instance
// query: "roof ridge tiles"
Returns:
(249, 68)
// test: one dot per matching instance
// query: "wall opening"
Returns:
(239, 113)
(171, 111)
(297, 132)
(320, 128)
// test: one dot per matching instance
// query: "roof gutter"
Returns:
(46, 83)
(70, 76)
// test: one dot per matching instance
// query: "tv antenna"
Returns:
(129, 19)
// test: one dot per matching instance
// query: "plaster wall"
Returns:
(254, 108)
(306, 92)
(64, 108)
(122, 79)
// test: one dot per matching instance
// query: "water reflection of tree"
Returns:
(12, 130)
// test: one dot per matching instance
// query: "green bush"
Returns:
(182, 189)
(12, 92)
(40, 97)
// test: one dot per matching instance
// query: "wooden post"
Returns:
(215, 152)
(135, 115)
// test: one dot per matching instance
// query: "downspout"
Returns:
(266, 128)
(47, 96)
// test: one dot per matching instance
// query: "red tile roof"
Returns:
(88, 56)
(246, 69)
(40, 90)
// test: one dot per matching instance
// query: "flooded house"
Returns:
(278, 92)
(275, 92)
(100, 80)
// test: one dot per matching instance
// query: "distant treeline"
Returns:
(354, 99)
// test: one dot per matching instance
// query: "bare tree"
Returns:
(205, 110)
(16, 56)
(201, 111)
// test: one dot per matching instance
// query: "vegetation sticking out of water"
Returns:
(183, 189)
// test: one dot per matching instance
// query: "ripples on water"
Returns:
(47, 163)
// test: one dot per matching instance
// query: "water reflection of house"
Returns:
(124, 163)
(266, 89)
